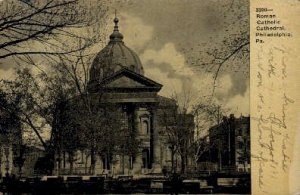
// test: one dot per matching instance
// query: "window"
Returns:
(145, 127)
(145, 158)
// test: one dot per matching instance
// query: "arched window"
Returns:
(145, 127)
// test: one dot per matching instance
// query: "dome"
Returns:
(113, 57)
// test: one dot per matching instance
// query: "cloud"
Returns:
(170, 85)
(169, 55)
(224, 85)
(239, 103)
(168, 66)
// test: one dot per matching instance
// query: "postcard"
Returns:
(139, 96)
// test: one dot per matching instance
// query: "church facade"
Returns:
(117, 75)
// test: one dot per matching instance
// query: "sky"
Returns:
(171, 37)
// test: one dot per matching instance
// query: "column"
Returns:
(156, 166)
(138, 163)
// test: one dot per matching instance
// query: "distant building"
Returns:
(117, 76)
(229, 145)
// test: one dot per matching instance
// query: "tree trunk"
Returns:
(71, 161)
(183, 164)
(172, 160)
(59, 163)
(71, 168)
(220, 157)
(123, 164)
(85, 164)
(50, 157)
(93, 161)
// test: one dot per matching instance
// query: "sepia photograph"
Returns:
(125, 97)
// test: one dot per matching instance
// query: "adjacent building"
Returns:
(228, 145)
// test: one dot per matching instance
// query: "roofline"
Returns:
(124, 69)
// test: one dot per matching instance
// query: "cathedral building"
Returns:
(117, 75)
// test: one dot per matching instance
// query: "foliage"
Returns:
(9, 120)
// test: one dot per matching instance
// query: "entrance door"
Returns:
(145, 158)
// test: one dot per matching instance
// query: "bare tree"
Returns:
(207, 114)
(231, 51)
(24, 93)
(179, 130)
(56, 102)
(61, 31)
(47, 25)
(56, 25)
(35, 98)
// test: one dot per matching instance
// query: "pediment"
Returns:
(124, 81)
(128, 79)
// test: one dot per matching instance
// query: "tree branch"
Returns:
(225, 60)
